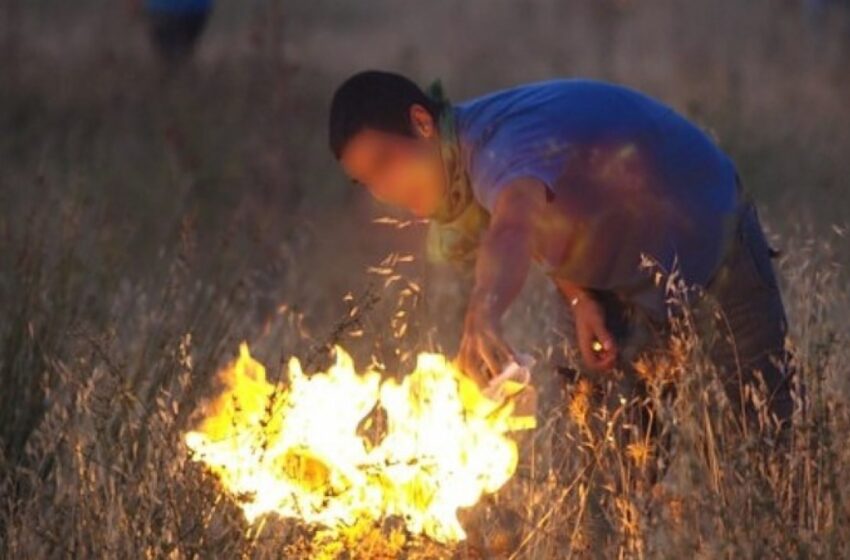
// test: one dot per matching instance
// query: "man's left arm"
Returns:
(501, 268)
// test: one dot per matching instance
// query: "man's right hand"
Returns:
(596, 345)
(483, 352)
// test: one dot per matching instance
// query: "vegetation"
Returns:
(150, 223)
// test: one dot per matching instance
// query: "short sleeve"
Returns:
(514, 149)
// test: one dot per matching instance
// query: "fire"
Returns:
(297, 449)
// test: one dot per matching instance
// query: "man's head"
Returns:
(383, 130)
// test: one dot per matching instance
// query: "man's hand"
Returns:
(504, 259)
(597, 346)
(483, 353)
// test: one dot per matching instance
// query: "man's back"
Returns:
(628, 174)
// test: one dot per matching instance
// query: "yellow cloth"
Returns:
(456, 228)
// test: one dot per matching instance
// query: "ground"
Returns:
(152, 221)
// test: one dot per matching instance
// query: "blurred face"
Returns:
(402, 171)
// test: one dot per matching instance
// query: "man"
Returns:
(587, 179)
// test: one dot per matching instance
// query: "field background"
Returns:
(148, 223)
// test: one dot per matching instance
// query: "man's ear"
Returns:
(422, 122)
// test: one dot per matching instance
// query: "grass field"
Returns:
(148, 224)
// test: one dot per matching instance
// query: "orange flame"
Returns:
(295, 450)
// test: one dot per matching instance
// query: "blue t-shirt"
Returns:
(629, 174)
(178, 6)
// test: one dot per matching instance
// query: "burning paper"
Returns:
(296, 449)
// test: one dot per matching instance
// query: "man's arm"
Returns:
(595, 343)
(501, 268)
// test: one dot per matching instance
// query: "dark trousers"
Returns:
(745, 314)
(174, 34)
(740, 315)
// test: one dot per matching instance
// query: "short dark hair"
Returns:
(374, 99)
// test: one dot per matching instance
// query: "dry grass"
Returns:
(94, 464)
(149, 226)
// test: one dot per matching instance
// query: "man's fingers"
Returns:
(603, 359)
(606, 360)
(597, 354)
(606, 340)
(484, 356)
(469, 364)
(464, 356)
(594, 360)
(469, 361)
(488, 356)
(482, 353)
(585, 345)
(602, 345)
(496, 354)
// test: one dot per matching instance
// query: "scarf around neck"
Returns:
(456, 227)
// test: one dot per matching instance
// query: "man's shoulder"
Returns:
(556, 106)
(553, 88)
(549, 84)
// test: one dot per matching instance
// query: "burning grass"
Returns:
(102, 467)
(296, 450)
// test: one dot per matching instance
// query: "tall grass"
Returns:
(147, 226)
(99, 387)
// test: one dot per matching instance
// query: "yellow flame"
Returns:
(295, 449)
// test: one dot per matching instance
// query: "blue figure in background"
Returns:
(175, 26)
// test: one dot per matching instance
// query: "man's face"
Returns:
(399, 170)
